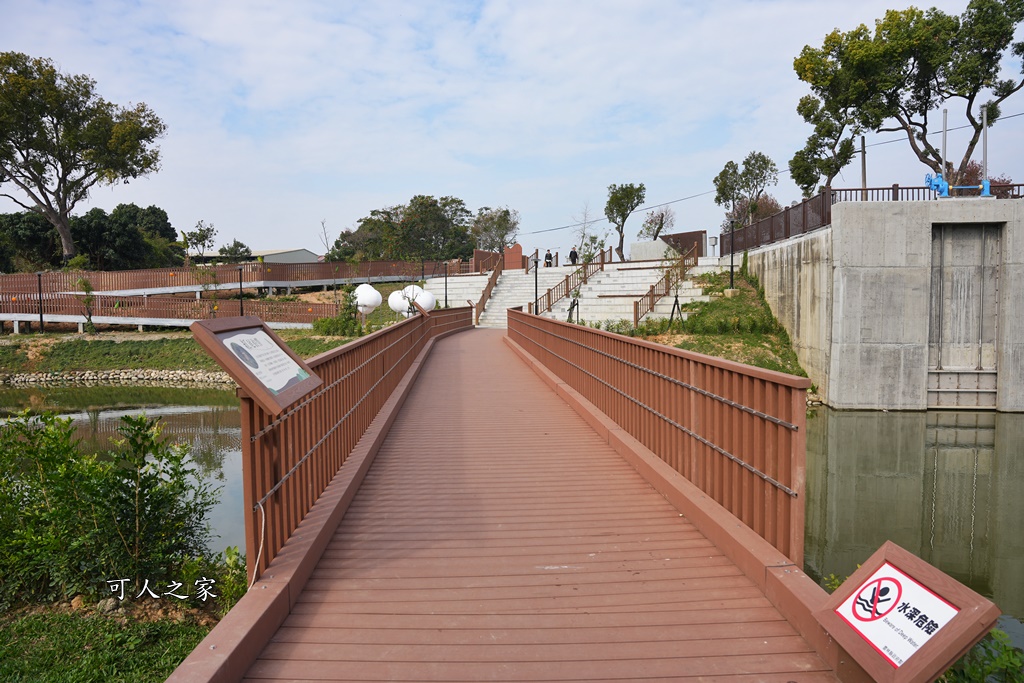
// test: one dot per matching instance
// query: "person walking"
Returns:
(573, 256)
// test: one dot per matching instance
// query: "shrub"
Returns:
(70, 522)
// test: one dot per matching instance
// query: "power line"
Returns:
(605, 220)
(948, 130)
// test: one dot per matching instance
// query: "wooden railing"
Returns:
(572, 281)
(161, 308)
(816, 212)
(675, 273)
(735, 431)
(499, 267)
(227, 276)
(288, 460)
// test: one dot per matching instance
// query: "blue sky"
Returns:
(281, 115)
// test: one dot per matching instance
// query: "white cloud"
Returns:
(282, 114)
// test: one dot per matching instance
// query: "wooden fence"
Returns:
(288, 460)
(735, 431)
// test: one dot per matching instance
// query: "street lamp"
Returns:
(537, 292)
(732, 253)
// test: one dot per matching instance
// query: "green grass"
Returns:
(80, 648)
(70, 353)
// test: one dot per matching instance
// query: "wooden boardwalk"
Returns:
(498, 537)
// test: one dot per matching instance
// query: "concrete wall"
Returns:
(857, 299)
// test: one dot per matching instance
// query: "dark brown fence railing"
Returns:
(288, 460)
(226, 276)
(675, 273)
(478, 309)
(163, 308)
(735, 431)
(816, 212)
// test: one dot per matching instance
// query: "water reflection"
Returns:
(208, 420)
(944, 485)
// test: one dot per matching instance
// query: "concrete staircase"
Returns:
(516, 288)
(607, 296)
(461, 288)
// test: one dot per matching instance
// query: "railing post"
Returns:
(895, 192)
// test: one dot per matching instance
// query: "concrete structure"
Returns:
(906, 305)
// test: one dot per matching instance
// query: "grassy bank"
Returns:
(741, 328)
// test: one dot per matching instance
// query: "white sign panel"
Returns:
(895, 614)
(272, 366)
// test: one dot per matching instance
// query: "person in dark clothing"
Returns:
(573, 256)
(547, 259)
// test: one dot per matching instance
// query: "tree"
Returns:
(495, 229)
(622, 201)
(915, 62)
(767, 206)
(735, 186)
(200, 239)
(590, 243)
(163, 250)
(828, 150)
(236, 252)
(425, 228)
(34, 244)
(656, 222)
(58, 139)
(110, 245)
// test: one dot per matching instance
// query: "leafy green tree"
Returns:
(163, 250)
(236, 252)
(200, 239)
(656, 222)
(58, 139)
(34, 244)
(828, 149)
(495, 229)
(622, 201)
(425, 228)
(913, 63)
(735, 186)
(110, 245)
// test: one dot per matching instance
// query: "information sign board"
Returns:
(902, 619)
(262, 364)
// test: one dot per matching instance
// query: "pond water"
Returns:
(947, 486)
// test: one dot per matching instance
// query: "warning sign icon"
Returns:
(877, 598)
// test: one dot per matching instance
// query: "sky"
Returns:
(288, 118)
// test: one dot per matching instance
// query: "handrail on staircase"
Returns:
(499, 265)
(675, 272)
(573, 281)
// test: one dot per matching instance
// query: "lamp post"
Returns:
(536, 291)
(241, 303)
(732, 254)
(39, 287)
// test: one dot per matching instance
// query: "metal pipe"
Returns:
(981, 307)
(984, 142)
(863, 170)
(945, 113)
(446, 284)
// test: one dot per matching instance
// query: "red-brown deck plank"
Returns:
(497, 537)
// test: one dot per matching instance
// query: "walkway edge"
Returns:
(786, 586)
(228, 651)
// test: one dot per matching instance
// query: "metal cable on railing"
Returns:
(739, 461)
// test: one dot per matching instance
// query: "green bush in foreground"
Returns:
(70, 522)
